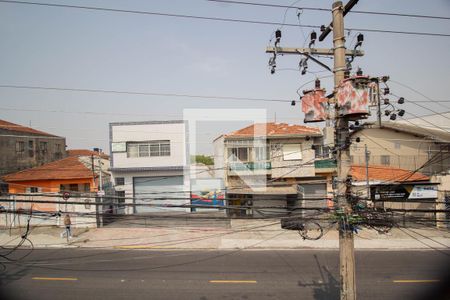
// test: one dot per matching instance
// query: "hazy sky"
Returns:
(74, 48)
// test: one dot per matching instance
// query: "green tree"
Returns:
(204, 159)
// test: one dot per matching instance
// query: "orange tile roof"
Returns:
(19, 128)
(86, 152)
(66, 168)
(388, 174)
(275, 129)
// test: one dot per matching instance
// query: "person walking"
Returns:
(67, 223)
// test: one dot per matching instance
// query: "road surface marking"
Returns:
(144, 247)
(55, 278)
(416, 281)
(232, 281)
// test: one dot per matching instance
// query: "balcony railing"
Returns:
(325, 164)
(251, 166)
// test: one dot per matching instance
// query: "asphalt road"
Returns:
(175, 274)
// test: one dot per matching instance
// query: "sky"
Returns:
(71, 48)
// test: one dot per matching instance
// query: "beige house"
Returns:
(401, 145)
(266, 164)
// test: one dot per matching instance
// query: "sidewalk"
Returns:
(242, 234)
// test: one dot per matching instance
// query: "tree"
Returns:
(204, 159)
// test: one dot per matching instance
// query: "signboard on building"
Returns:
(119, 147)
(404, 192)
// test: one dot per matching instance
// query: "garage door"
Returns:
(159, 191)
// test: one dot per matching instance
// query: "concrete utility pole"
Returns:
(346, 243)
(367, 157)
(342, 135)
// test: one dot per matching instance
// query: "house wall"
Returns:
(48, 186)
(12, 160)
(292, 168)
(219, 158)
(405, 151)
(136, 132)
(51, 188)
(174, 131)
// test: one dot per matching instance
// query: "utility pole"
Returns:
(367, 156)
(342, 137)
(346, 242)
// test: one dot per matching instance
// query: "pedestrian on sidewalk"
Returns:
(67, 232)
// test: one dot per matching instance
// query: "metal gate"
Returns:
(154, 194)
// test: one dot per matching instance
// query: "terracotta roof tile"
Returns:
(86, 152)
(19, 128)
(275, 129)
(66, 168)
(384, 173)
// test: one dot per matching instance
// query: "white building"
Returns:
(148, 164)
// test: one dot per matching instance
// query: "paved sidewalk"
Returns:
(241, 234)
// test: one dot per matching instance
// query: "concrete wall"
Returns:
(406, 151)
(443, 193)
(292, 168)
(44, 214)
(219, 158)
(135, 132)
(12, 161)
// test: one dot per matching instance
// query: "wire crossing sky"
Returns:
(70, 62)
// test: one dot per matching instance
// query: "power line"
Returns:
(93, 8)
(140, 93)
(328, 10)
(419, 93)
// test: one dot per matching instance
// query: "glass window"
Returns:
(154, 149)
(43, 146)
(385, 160)
(33, 189)
(261, 153)
(20, 147)
(143, 150)
(120, 180)
(132, 150)
(292, 152)
(165, 149)
(150, 148)
(30, 144)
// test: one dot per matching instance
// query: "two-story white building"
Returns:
(148, 164)
(265, 165)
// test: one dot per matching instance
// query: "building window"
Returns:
(121, 198)
(33, 189)
(397, 144)
(261, 153)
(385, 160)
(30, 148)
(292, 152)
(321, 151)
(86, 187)
(70, 187)
(150, 148)
(120, 180)
(20, 147)
(239, 154)
(43, 147)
